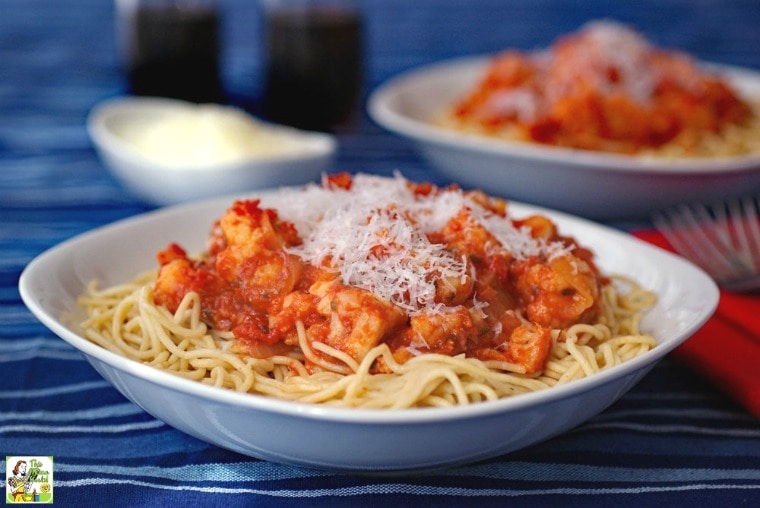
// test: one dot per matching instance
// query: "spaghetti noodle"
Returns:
(407, 363)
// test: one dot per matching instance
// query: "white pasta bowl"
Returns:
(343, 438)
(115, 125)
(592, 184)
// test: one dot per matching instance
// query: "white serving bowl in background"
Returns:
(595, 185)
(343, 438)
(113, 125)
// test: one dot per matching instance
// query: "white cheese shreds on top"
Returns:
(191, 135)
(606, 56)
(519, 241)
(606, 46)
(375, 236)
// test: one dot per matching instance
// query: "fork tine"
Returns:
(712, 229)
(682, 230)
(736, 211)
(752, 228)
(709, 239)
(722, 238)
(726, 223)
(732, 216)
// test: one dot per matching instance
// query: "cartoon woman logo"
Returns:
(19, 482)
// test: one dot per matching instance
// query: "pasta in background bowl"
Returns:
(359, 439)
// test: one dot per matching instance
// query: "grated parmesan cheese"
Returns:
(606, 45)
(375, 236)
(598, 51)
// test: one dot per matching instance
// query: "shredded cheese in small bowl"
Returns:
(208, 134)
(167, 151)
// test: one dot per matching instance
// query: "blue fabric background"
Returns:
(674, 439)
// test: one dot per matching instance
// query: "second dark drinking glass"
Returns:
(314, 68)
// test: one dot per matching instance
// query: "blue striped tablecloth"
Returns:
(673, 440)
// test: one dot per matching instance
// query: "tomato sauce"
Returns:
(251, 283)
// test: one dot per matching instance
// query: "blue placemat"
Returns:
(674, 439)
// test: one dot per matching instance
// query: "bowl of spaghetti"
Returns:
(601, 124)
(368, 323)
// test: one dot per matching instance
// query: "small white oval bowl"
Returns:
(111, 123)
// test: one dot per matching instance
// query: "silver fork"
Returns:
(723, 239)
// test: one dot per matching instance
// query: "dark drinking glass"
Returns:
(171, 49)
(314, 65)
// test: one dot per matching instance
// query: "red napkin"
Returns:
(726, 349)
